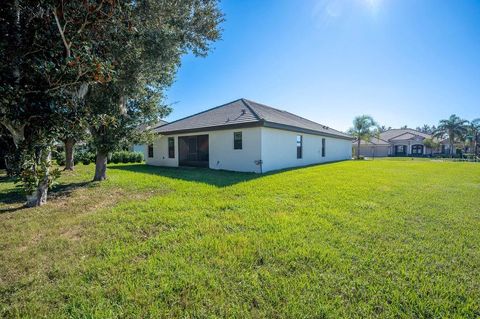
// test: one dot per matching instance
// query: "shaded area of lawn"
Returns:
(201, 175)
(355, 239)
(12, 197)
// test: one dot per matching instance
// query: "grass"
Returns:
(389, 239)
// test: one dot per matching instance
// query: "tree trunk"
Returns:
(358, 149)
(39, 197)
(100, 167)
(475, 153)
(69, 154)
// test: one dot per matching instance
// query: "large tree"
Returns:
(73, 130)
(146, 56)
(364, 128)
(454, 128)
(53, 51)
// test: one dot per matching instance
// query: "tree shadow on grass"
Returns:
(16, 197)
(219, 178)
(216, 178)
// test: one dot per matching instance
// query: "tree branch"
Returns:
(62, 33)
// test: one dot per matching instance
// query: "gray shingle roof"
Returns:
(244, 113)
(373, 141)
(392, 135)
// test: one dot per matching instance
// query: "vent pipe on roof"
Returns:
(244, 111)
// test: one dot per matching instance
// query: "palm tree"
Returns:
(364, 128)
(426, 129)
(453, 128)
(474, 133)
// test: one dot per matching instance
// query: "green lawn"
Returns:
(352, 239)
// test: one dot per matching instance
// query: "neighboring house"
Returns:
(246, 136)
(398, 142)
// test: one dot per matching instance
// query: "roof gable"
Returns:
(395, 133)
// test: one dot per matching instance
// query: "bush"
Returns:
(84, 157)
(60, 158)
(126, 157)
(114, 158)
(138, 157)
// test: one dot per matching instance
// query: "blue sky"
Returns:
(405, 62)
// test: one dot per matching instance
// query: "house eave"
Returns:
(304, 130)
(260, 123)
(212, 128)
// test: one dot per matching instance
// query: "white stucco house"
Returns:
(246, 136)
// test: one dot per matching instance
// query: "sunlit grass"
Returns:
(350, 239)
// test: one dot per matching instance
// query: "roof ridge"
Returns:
(161, 124)
(213, 108)
(409, 133)
(303, 118)
(246, 102)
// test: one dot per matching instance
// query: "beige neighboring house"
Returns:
(399, 142)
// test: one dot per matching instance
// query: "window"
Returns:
(150, 150)
(237, 140)
(417, 149)
(171, 147)
(323, 147)
(299, 146)
(400, 149)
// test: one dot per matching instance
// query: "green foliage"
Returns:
(84, 157)
(126, 157)
(58, 57)
(147, 60)
(37, 169)
(364, 127)
(431, 143)
(454, 128)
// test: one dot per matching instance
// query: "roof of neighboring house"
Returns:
(374, 141)
(395, 135)
(246, 113)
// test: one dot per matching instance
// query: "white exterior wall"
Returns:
(160, 152)
(223, 156)
(276, 148)
(279, 149)
(220, 148)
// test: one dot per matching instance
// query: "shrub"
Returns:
(114, 158)
(60, 158)
(126, 157)
(58, 154)
(138, 157)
